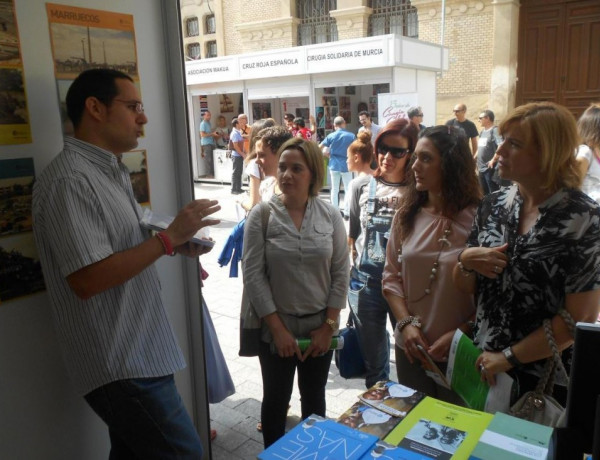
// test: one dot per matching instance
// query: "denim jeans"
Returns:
(146, 420)
(488, 185)
(371, 311)
(335, 186)
(278, 381)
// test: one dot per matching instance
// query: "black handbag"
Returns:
(349, 360)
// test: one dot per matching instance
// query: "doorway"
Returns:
(559, 53)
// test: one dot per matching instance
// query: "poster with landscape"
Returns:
(16, 185)
(20, 269)
(83, 39)
(14, 115)
(137, 163)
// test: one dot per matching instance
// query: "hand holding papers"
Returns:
(159, 222)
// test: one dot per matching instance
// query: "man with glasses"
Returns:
(415, 115)
(367, 124)
(469, 128)
(98, 264)
(489, 141)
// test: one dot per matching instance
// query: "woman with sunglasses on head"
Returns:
(428, 232)
(375, 200)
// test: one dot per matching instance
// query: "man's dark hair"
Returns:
(489, 114)
(300, 122)
(98, 83)
(289, 117)
(365, 113)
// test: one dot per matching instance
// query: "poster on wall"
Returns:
(14, 115)
(16, 185)
(394, 106)
(137, 164)
(84, 39)
(20, 269)
(261, 110)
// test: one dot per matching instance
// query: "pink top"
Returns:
(445, 308)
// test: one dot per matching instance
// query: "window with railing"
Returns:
(211, 49)
(316, 25)
(191, 27)
(393, 17)
(193, 51)
(210, 25)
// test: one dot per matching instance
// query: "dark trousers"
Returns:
(146, 419)
(236, 175)
(278, 381)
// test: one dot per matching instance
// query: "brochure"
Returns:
(384, 451)
(465, 379)
(159, 222)
(368, 419)
(318, 438)
(514, 438)
(391, 397)
(432, 369)
(439, 430)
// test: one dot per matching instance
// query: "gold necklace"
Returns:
(434, 270)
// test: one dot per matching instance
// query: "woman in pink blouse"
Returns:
(429, 231)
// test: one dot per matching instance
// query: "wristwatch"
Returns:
(332, 324)
(511, 358)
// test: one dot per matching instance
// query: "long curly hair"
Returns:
(460, 187)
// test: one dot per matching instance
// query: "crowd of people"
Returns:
(490, 233)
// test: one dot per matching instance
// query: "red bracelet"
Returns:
(166, 243)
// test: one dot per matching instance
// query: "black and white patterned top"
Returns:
(559, 255)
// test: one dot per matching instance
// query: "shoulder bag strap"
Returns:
(372, 196)
(264, 214)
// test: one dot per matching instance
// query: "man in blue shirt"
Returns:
(336, 148)
(207, 142)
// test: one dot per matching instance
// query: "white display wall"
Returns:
(41, 417)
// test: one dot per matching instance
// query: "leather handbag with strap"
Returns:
(538, 405)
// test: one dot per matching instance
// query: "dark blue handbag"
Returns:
(349, 360)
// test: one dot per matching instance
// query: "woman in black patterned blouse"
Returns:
(534, 248)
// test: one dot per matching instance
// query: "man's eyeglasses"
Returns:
(396, 152)
(458, 110)
(481, 118)
(135, 106)
(419, 114)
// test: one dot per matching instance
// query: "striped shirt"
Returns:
(84, 210)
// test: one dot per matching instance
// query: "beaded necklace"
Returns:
(432, 276)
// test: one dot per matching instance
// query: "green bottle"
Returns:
(337, 343)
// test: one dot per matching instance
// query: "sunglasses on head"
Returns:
(396, 152)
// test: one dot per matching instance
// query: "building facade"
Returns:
(502, 52)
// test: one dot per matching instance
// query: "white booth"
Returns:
(325, 80)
